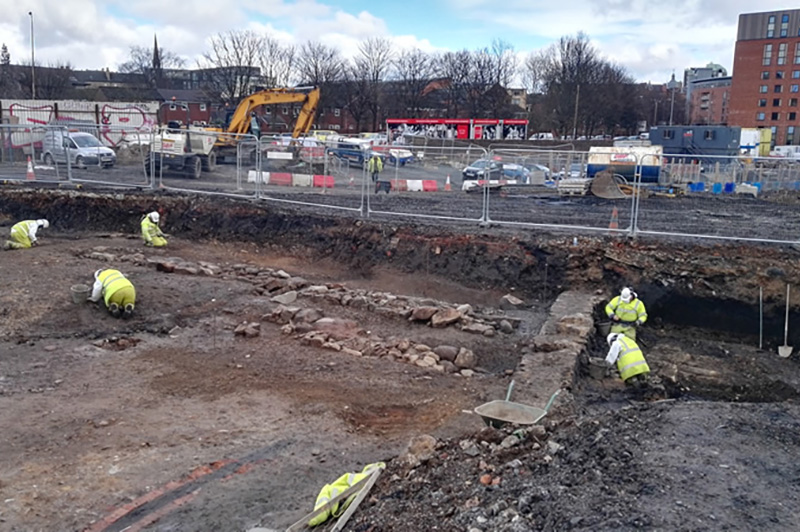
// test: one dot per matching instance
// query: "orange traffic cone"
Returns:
(614, 223)
(447, 187)
(31, 176)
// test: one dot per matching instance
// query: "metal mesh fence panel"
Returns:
(528, 191)
(724, 198)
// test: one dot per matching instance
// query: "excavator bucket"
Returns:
(607, 186)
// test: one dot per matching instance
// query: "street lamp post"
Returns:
(672, 85)
(33, 62)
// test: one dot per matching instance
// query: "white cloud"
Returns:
(650, 38)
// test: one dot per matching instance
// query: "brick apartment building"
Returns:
(709, 101)
(766, 74)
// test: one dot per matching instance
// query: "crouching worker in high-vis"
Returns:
(151, 232)
(23, 234)
(630, 361)
(340, 485)
(117, 292)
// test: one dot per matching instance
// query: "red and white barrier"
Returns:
(285, 179)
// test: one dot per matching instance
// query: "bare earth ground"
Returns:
(171, 422)
(89, 428)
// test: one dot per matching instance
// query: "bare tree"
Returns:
(318, 64)
(534, 70)
(357, 92)
(413, 72)
(455, 68)
(141, 61)
(373, 64)
(505, 62)
(233, 64)
(5, 57)
(277, 62)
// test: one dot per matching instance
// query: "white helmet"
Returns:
(97, 273)
(154, 217)
(43, 223)
(626, 295)
(613, 336)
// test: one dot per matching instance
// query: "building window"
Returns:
(762, 102)
(765, 74)
(337, 112)
(268, 110)
(784, 25)
(669, 134)
(782, 53)
(202, 107)
(173, 107)
(778, 89)
(284, 110)
(792, 102)
(709, 134)
(795, 74)
(763, 89)
(792, 116)
(797, 52)
(771, 27)
(790, 135)
(760, 116)
(779, 74)
(776, 102)
(775, 116)
(767, 59)
(793, 88)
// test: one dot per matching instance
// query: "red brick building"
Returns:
(766, 74)
(709, 101)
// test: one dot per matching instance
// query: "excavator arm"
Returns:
(240, 121)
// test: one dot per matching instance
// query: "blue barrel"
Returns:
(730, 188)
(717, 188)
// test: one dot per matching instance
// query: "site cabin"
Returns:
(722, 141)
(623, 160)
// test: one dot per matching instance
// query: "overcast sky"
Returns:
(650, 38)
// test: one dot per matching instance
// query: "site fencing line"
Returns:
(434, 176)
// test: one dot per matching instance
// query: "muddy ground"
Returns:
(172, 421)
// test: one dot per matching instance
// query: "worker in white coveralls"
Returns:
(627, 312)
(340, 485)
(630, 360)
(151, 232)
(23, 234)
(117, 292)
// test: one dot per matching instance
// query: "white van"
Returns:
(83, 149)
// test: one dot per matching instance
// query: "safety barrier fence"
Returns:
(735, 198)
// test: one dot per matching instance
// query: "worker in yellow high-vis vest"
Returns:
(117, 292)
(151, 232)
(23, 234)
(330, 491)
(630, 361)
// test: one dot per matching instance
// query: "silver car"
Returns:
(82, 149)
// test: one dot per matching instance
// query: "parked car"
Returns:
(81, 149)
(576, 170)
(539, 174)
(483, 169)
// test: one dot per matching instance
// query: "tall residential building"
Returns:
(766, 74)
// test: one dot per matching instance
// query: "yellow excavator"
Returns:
(242, 119)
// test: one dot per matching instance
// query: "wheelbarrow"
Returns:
(498, 413)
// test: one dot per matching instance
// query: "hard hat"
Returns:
(43, 223)
(626, 295)
(97, 273)
(154, 217)
(613, 336)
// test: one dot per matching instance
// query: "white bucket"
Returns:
(79, 293)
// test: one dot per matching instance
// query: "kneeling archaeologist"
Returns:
(23, 234)
(117, 292)
(151, 232)
(630, 361)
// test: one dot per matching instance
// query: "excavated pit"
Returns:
(196, 395)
